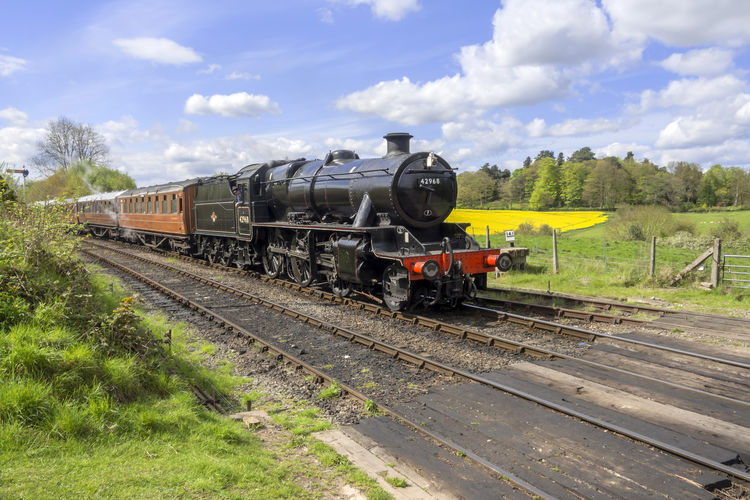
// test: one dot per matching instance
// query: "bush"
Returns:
(642, 222)
(529, 229)
(727, 229)
(682, 239)
(525, 228)
(684, 225)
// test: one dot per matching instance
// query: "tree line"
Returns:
(74, 158)
(582, 180)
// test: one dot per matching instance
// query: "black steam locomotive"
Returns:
(373, 225)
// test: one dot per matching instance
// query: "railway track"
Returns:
(596, 310)
(424, 362)
(735, 395)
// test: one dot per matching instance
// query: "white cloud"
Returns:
(544, 32)
(239, 104)
(393, 10)
(538, 48)
(231, 153)
(158, 50)
(703, 62)
(126, 131)
(186, 126)
(14, 116)
(363, 147)
(536, 127)
(742, 115)
(691, 92)
(621, 150)
(682, 23)
(10, 64)
(572, 127)
(241, 76)
(709, 125)
(18, 144)
(210, 69)
(471, 140)
(690, 132)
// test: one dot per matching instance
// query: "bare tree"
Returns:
(68, 142)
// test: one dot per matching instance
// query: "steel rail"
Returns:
(562, 312)
(422, 362)
(321, 375)
(483, 338)
(661, 323)
(608, 304)
(581, 332)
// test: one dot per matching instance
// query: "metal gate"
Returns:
(735, 271)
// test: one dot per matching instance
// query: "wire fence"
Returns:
(608, 257)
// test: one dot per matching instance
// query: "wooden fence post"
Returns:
(715, 258)
(554, 252)
(652, 261)
(487, 237)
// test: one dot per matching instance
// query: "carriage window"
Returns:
(180, 204)
(148, 205)
(173, 209)
(143, 205)
(156, 204)
(164, 204)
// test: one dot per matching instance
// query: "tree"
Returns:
(474, 189)
(79, 180)
(515, 188)
(571, 185)
(68, 142)
(687, 180)
(607, 185)
(560, 159)
(582, 155)
(547, 187)
(713, 186)
(527, 162)
(103, 179)
(738, 186)
(545, 153)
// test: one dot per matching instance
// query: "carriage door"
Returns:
(242, 212)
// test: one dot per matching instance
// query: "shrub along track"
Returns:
(385, 392)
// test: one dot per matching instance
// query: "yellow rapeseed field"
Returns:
(504, 220)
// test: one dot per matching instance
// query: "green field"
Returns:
(592, 262)
(94, 404)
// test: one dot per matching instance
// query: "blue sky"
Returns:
(192, 88)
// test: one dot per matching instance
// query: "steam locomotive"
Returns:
(372, 225)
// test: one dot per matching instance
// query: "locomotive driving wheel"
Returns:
(301, 268)
(273, 262)
(396, 287)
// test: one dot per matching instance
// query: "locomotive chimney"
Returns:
(398, 143)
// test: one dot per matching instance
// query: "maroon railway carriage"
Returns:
(99, 213)
(159, 216)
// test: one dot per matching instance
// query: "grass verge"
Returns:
(93, 404)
